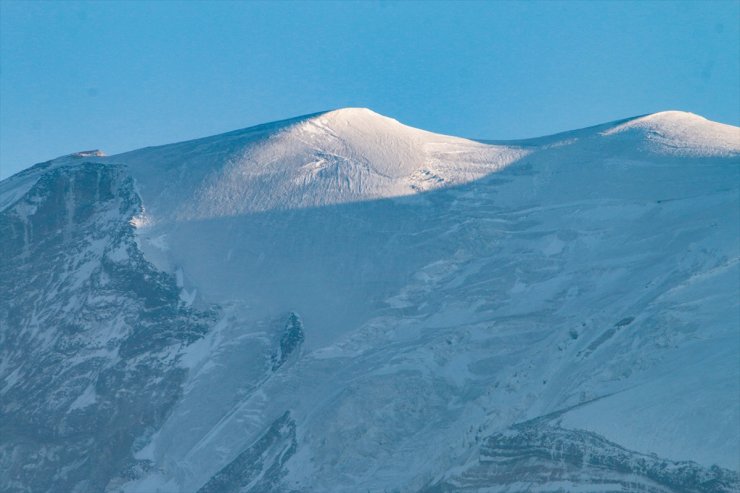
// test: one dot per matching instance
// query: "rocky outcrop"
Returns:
(259, 468)
(291, 340)
(89, 334)
(542, 457)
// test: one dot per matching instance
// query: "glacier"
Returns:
(340, 302)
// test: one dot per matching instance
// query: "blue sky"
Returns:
(123, 75)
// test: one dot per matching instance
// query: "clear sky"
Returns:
(123, 75)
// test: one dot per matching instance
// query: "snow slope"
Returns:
(336, 157)
(390, 309)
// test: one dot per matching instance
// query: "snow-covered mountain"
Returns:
(339, 302)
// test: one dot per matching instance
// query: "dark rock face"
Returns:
(538, 456)
(89, 334)
(259, 468)
(290, 340)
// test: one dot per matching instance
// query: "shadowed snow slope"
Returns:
(339, 302)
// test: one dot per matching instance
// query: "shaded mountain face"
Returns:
(340, 302)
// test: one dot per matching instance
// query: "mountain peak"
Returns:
(338, 156)
(584, 301)
(666, 120)
(673, 115)
(681, 132)
(363, 119)
(353, 111)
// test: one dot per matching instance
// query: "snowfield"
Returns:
(340, 302)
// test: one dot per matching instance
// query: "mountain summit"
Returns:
(327, 158)
(340, 302)
(682, 133)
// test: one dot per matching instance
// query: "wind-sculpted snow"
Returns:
(339, 302)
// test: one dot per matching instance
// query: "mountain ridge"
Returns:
(356, 154)
(663, 117)
(299, 310)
